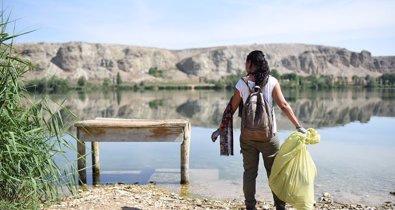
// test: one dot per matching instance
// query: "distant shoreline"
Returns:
(292, 81)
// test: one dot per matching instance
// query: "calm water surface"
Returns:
(355, 158)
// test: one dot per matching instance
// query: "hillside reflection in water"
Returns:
(204, 108)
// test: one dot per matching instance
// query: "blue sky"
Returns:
(178, 24)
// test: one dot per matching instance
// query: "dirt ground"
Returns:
(136, 197)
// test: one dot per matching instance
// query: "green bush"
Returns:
(229, 81)
(81, 81)
(387, 79)
(106, 82)
(275, 73)
(154, 71)
(31, 136)
(370, 82)
(51, 85)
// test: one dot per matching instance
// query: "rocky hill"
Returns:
(97, 62)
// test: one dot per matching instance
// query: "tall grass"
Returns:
(31, 135)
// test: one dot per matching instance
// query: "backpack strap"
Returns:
(246, 82)
(241, 105)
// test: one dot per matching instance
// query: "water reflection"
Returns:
(204, 108)
(354, 162)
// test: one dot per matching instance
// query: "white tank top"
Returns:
(267, 93)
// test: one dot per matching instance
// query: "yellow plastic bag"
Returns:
(293, 172)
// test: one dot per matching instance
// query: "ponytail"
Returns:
(262, 71)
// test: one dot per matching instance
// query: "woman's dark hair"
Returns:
(261, 74)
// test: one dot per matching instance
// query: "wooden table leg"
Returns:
(81, 159)
(95, 163)
(185, 146)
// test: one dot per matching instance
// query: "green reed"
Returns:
(31, 136)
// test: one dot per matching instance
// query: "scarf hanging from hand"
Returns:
(226, 131)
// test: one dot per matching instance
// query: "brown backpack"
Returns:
(256, 116)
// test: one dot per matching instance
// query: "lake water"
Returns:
(355, 158)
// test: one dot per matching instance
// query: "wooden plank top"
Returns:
(130, 123)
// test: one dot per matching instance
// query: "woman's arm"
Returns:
(234, 104)
(236, 100)
(284, 106)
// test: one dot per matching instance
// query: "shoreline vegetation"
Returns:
(31, 135)
(150, 196)
(291, 81)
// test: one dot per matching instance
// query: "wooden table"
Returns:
(130, 130)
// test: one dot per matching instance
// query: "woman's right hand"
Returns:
(301, 130)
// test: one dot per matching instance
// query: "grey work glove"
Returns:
(215, 135)
(301, 130)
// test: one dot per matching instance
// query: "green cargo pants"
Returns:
(251, 151)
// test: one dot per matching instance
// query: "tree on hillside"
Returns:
(356, 80)
(370, 81)
(119, 80)
(387, 79)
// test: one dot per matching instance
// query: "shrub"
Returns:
(154, 71)
(275, 73)
(52, 85)
(81, 81)
(387, 79)
(31, 136)
(106, 82)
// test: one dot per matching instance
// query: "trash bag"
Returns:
(293, 171)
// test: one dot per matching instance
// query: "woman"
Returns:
(258, 74)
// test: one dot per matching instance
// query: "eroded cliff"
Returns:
(97, 62)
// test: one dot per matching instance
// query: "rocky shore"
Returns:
(135, 197)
